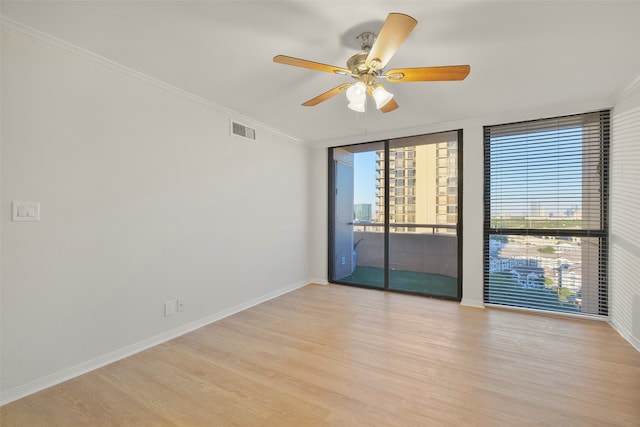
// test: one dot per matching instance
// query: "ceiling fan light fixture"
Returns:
(357, 96)
(381, 96)
(357, 93)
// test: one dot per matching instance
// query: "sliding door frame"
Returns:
(331, 193)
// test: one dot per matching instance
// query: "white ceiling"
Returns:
(525, 56)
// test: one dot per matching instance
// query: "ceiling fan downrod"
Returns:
(366, 39)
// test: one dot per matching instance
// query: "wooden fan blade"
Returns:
(289, 60)
(394, 32)
(389, 106)
(429, 74)
(328, 94)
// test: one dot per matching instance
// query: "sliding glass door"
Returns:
(402, 199)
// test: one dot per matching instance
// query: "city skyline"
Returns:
(545, 177)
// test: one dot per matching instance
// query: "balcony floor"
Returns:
(425, 283)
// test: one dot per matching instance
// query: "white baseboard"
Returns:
(319, 281)
(627, 335)
(472, 303)
(98, 362)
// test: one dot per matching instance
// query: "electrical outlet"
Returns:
(180, 304)
(170, 308)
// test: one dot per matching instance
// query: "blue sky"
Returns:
(541, 167)
(364, 180)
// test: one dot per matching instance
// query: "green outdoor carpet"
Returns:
(431, 284)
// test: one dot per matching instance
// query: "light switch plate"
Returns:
(26, 211)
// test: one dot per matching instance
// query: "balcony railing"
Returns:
(378, 226)
(410, 251)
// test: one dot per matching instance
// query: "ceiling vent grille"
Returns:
(243, 131)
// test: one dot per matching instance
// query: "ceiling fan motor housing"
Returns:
(360, 71)
(357, 63)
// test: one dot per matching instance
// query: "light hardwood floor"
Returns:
(335, 355)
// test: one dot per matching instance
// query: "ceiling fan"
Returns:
(367, 66)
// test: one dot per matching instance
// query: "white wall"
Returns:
(472, 216)
(624, 258)
(318, 216)
(144, 198)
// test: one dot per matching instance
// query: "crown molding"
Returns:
(635, 83)
(50, 42)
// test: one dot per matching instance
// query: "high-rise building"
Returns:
(423, 186)
(362, 211)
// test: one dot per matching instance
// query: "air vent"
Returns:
(243, 131)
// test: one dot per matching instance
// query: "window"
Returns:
(546, 214)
